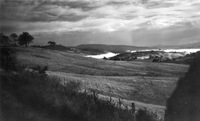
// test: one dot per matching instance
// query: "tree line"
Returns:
(13, 39)
(23, 39)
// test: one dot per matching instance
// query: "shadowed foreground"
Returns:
(184, 104)
(30, 96)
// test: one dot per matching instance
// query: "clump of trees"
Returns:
(52, 43)
(40, 70)
(13, 39)
(8, 61)
(25, 39)
(4, 40)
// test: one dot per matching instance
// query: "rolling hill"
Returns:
(124, 48)
(147, 84)
(194, 45)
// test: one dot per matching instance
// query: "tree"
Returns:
(25, 38)
(14, 38)
(4, 40)
(51, 43)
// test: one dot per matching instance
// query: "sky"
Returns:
(115, 22)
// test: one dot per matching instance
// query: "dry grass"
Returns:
(75, 63)
(145, 92)
(154, 90)
(143, 82)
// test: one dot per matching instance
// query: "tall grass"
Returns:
(45, 95)
(34, 96)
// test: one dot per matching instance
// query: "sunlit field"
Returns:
(145, 83)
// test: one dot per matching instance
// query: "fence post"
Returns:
(165, 113)
(94, 95)
(110, 99)
(133, 108)
(120, 103)
(126, 107)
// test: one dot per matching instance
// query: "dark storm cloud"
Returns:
(117, 3)
(71, 17)
(43, 11)
(84, 5)
(8, 29)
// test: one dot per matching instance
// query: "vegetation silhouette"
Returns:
(14, 38)
(31, 93)
(51, 43)
(4, 40)
(25, 39)
(145, 115)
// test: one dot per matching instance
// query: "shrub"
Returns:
(40, 70)
(144, 115)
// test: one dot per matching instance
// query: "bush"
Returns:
(144, 115)
(35, 93)
(40, 70)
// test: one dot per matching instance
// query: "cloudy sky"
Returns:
(127, 22)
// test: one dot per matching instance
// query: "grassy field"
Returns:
(76, 63)
(154, 90)
(32, 96)
(147, 84)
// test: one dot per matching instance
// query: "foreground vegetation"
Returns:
(28, 95)
(34, 96)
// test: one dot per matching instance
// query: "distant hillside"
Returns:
(195, 45)
(188, 58)
(124, 48)
(157, 56)
(111, 48)
(128, 56)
